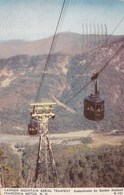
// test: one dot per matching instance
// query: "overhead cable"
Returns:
(100, 71)
(52, 44)
(99, 48)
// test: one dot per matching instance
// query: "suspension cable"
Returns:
(98, 73)
(100, 47)
(116, 53)
(51, 47)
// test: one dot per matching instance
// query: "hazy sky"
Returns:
(35, 19)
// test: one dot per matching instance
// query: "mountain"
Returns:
(66, 43)
(20, 77)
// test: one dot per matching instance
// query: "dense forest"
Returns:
(10, 167)
(77, 166)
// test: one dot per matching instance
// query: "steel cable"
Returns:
(51, 47)
(99, 72)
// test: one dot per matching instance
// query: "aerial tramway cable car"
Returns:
(39, 112)
(93, 104)
(33, 126)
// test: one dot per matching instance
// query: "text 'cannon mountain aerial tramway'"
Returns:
(42, 110)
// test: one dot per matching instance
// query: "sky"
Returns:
(37, 19)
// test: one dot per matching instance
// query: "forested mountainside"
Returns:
(77, 166)
(10, 165)
(81, 166)
(20, 77)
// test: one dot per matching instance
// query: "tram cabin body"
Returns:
(94, 107)
(33, 127)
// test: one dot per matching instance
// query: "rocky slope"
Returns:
(20, 77)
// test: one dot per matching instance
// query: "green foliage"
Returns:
(77, 165)
(81, 166)
(11, 167)
(29, 164)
